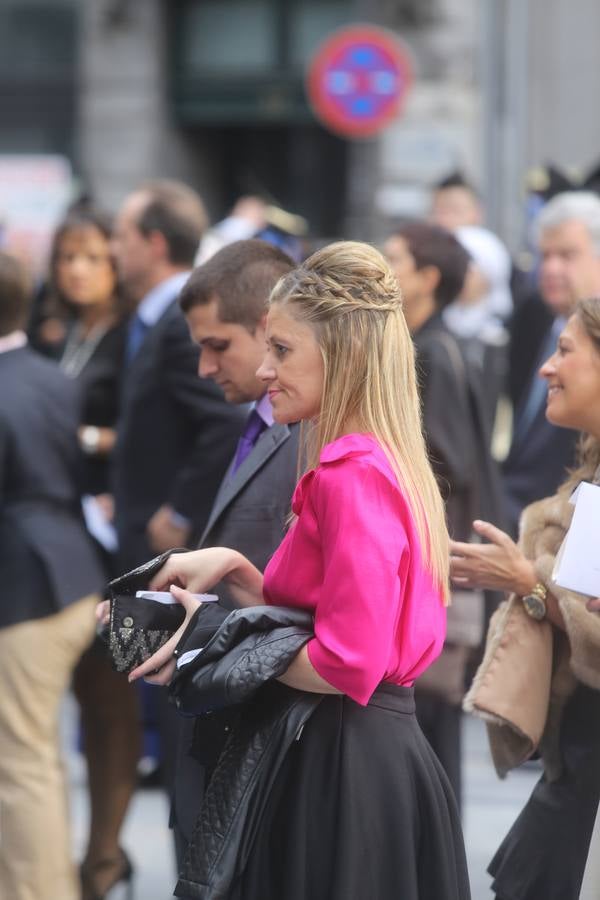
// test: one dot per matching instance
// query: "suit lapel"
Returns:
(232, 484)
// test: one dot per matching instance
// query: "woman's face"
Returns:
(293, 368)
(84, 270)
(573, 376)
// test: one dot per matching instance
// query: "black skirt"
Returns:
(544, 854)
(361, 810)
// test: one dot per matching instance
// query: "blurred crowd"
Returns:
(123, 417)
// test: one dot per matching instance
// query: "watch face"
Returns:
(535, 607)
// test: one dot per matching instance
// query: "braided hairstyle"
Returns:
(350, 297)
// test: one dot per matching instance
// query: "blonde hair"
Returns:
(587, 313)
(350, 297)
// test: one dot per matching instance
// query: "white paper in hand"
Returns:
(168, 599)
(577, 565)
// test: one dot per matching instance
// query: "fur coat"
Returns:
(530, 668)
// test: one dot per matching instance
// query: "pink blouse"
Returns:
(353, 557)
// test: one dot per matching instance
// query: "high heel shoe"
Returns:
(97, 882)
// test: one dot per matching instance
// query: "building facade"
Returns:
(212, 91)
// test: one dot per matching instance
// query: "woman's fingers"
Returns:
(164, 675)
(594, 604)
(155, 662)
(154, 665)
(103, 612)
(460, 548)
(189, 602)
(491, 533)
(165, 576)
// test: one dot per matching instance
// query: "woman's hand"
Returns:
(103, 612)
(593, 604)
(199, 571)
(160, 667)
(497, 565)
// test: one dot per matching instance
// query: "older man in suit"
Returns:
(225, 303)
(175, 433)
(50, 579)
(568, 230)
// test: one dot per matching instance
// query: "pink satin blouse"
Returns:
(353, 557)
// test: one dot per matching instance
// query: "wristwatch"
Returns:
(535, 601)
(90, 439)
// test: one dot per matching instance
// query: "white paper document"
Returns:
(97, 524)
(167, 598)
(577, 565)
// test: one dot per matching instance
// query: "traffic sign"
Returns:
(358, 80)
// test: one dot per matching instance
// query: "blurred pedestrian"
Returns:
(539, 684)
(356, 804)
(253, 217)
(176, 434)
(51, 579)
(83, 280)
(455, 203)
(568, 231)
(245, 219)
(485, 303)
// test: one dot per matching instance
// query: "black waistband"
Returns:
(395, 697)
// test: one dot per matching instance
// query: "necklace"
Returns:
(80, 348)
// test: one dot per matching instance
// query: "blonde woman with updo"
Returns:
(359, 807)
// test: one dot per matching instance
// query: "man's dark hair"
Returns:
(14, 294)
(456, 180)
(432, 245)
(240, 276)
(177, 212)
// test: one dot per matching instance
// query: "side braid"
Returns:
(366, 288)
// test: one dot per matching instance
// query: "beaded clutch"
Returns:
(139, 626)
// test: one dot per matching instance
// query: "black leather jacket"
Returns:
(238, 666)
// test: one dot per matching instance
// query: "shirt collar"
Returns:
(13, 341)
(355, 444)
(160, 297)
(265, 410)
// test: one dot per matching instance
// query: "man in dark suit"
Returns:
(225, 302)
(568, 232)
(175, 432)
(50, 580)
(431, 266)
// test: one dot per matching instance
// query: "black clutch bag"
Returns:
(138, 626)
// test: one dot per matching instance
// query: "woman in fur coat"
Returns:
(544, 853)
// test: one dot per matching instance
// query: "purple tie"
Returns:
(254, 428)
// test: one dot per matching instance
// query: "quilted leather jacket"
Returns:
(238, 666)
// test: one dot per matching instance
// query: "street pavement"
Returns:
(490, 807)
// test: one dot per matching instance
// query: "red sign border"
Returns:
(327, 113)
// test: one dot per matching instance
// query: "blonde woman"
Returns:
(360, 806)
